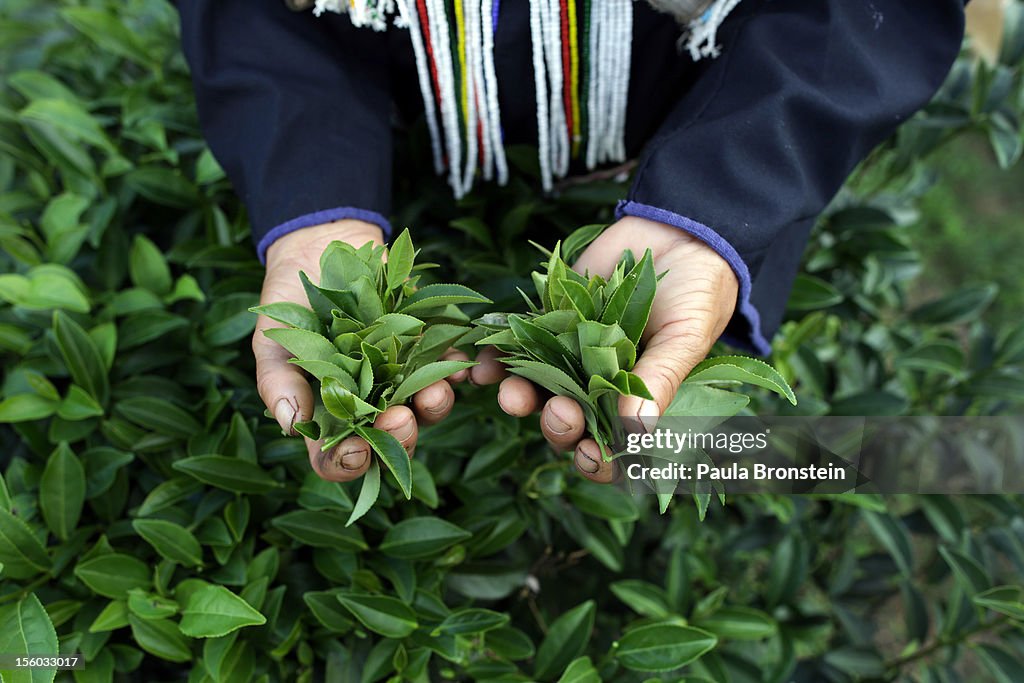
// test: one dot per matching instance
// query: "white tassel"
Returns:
(412, 20)
(702, 38)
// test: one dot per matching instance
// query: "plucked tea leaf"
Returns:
(367, 493)
(630, 303)
(392, 453)
(291, 314)
(741, 369)
(302, 344)
(423, 377)
(400, 260)
(435, 296)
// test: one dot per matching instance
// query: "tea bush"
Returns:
(154, 521)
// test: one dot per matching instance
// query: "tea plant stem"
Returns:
(993, 626)
(18, 595)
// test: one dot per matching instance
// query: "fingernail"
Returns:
(586, 463)
(403, 433)
(284, 413)
(353, 460)
(555, 424)
(649, 414)
(441, 407)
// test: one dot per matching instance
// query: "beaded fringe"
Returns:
(581, 76)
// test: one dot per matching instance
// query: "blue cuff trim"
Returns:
(318, 218)
(745, 309)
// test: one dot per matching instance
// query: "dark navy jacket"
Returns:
(743, 151)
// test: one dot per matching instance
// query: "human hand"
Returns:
(694, 303)
(283, 385)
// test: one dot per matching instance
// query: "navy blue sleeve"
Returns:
(802, 91)
(295, 108)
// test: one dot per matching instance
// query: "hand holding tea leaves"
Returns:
(372, 340)
(676, 327)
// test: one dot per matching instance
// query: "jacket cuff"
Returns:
(318, 218)
(744, 330)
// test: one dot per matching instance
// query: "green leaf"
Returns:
(630, 303)
(739, 623)
(642, 597)
(231, 474)
(963, 305)
(387, 616)
(566, 639)
(26, 629)
(158, 415)
(741, 369)
(172, 541)
(662, 647)
(20, 550)
(81, 357)
(810, 293)
(580, 671)
(435, 296)
(510, 643)
(302, 344)
(78, 405)
(342, 402)
(1003, 599)
(320, 529)
(700, 400)
(400, 259)
(109, 32)
(149, 605)
(554, 380)
(421, 537)
(291, 314)
(470, 621)
(114, 574)
(427, 375)
(969, 574)
(160, 637)
(148, 267)
(113, 617)
(163, 186)
(1004, 666)
(392, 453)
(26, 408)
(215, 611)
(325, 607)
(367, 493)
(894, 536)
(62, 491)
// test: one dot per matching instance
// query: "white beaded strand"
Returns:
(412, 20)
(493, 128)
(540, 83)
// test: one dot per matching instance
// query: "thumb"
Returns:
(669, 356)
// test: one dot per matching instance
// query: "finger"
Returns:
(347, 461)
(281, 385)
(488, 370)
(562, 422)
(669, 356)
(455, 354)
(518, 397)
(400, 422)
(433, 403)
(591, 465)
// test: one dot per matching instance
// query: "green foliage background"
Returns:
(154, 521)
